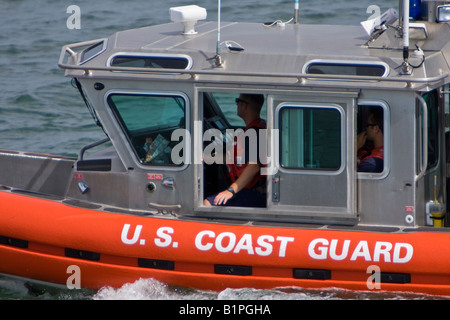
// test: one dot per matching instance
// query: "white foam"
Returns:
(150, 289)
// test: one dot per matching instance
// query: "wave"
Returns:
(151, 289)
(12, 288)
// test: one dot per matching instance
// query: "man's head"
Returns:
(374, 126)
(249, 104)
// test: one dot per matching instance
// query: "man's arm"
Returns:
(250, 171)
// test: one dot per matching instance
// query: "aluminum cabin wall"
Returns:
(133, 193)
(389, 200)
(33, 172)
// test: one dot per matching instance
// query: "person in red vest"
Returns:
(370, 144)
(247, 188)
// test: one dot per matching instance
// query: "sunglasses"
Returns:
(240, 100)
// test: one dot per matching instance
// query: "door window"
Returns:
(148, 122)
(310, 138)
(373, 139)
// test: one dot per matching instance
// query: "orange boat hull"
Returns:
(50, 241)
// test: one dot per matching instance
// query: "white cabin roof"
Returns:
(278, 50)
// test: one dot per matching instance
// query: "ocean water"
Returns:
(40, 111)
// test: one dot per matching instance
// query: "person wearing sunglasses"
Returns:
(370, 143)
(247, 186)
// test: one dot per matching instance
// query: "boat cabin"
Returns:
(165, 97)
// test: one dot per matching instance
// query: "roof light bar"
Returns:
(443, 13)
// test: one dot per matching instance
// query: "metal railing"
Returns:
(298, 77)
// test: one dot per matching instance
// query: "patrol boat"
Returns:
(131, 206)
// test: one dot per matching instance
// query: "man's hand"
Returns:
(361, 140)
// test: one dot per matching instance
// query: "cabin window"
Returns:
(432, 100)
(152, 61)
(310, 138)
(347, 68)
(447, 99)
(223, 104)
(148, 122)
(222, 124)
(92, 51)
(372, 136)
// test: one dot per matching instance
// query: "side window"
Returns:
(310, 138)
(446, 93)
(432, 100)
(151, 61)
(372, 136)
(92, 51)
(447, 98)
(225, 103)
(148, 121)
(342, 68)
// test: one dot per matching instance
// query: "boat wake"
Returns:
(151, 289)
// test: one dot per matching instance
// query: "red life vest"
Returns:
(235, 169)
(374, 153)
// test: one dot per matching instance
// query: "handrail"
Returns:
(424, 164)
(171, 209)
(70, 49)
(90, 146)
(299, 76)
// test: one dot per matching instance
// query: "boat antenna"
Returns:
(296, 9)
(218, 58)
(218, 27)
(406, 69)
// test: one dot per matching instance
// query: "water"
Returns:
(151, 289)
(40, 111)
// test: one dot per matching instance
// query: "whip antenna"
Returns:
(405, 66)
(218, 58)
(218, 28)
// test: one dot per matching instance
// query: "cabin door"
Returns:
(314, 150)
